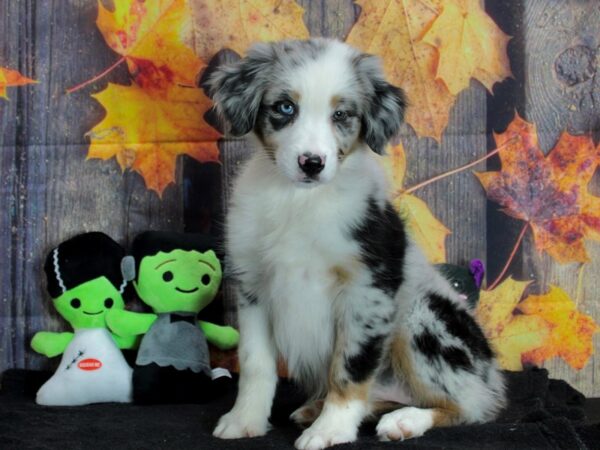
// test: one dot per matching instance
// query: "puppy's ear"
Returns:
(385, 104)
(237, 89)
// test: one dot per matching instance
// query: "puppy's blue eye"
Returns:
(286, 108)
(339, 116)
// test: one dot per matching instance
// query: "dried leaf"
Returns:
(570, 334)
(550, 193)
(470, 45)
(394, 29)
(145, 130)
(237, 24)
(536, 329)
(10, 78)
(495, 307)
(153, 37)
(510, 335)
(427, 231)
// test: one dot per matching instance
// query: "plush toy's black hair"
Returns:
(149, 243)
(83, 258)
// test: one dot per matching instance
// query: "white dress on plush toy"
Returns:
(92, 370)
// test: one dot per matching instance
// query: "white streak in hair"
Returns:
(57, 270)
(122, 287)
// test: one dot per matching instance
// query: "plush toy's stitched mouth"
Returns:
(93, 313)
(186, 291)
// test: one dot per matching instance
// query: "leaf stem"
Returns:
(453, 171)
(97, 77)
(510, 258)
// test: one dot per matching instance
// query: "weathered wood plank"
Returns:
(562, 81)
(53, 191)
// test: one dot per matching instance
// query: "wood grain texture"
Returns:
(51, 191)
(562, 66)
(562, 91)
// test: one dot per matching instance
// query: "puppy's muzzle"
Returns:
(311, 164)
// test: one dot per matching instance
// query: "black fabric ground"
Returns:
(542, 414)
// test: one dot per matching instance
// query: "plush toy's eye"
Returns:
(167, 276)
(457, 285)
(108, 303)
(206, 280)
(75, 303)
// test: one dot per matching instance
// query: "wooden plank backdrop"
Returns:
(562, 91)
(50, 192)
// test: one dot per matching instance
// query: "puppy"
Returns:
(327, 276)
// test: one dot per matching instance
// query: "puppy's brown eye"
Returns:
(340, 116)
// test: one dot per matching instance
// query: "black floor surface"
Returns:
(542, 413)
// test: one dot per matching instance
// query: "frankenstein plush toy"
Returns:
(85, 282)
(177, 275)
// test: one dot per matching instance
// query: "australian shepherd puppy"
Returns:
(327, 276)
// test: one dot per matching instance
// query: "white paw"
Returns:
(307, 414)
(316, 439)
(404, 423)
(234, 426)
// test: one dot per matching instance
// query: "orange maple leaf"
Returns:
(236, 24)
(470, 45)
(394, 29)
(509, 334)
(153, 37)
(549, 193)
(145, 130)
(427, 231)
(570, 334)
(10, 77)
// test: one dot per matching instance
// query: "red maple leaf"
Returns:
(548, 192)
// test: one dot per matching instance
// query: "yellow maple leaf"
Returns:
(570, 334)
(145, 130)
(470, 45)
(9, 78)
(427, 231)
(236, 24)
(495, 307)
(394, 29)
(510, 335)
(153, 37)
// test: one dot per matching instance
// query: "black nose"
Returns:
(311, 164)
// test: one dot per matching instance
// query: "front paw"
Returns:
(234, 425)
(317, 438)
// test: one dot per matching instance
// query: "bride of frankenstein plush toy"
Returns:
(85, 281)
(177, 275)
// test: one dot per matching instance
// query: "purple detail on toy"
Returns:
(477, 270)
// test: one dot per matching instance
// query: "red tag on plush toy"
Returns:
(89, 364)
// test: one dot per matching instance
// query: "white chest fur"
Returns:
(286, 243)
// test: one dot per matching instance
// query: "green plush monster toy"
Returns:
(85, 282)
(177, 275)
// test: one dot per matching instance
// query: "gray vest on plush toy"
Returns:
(175, 340)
